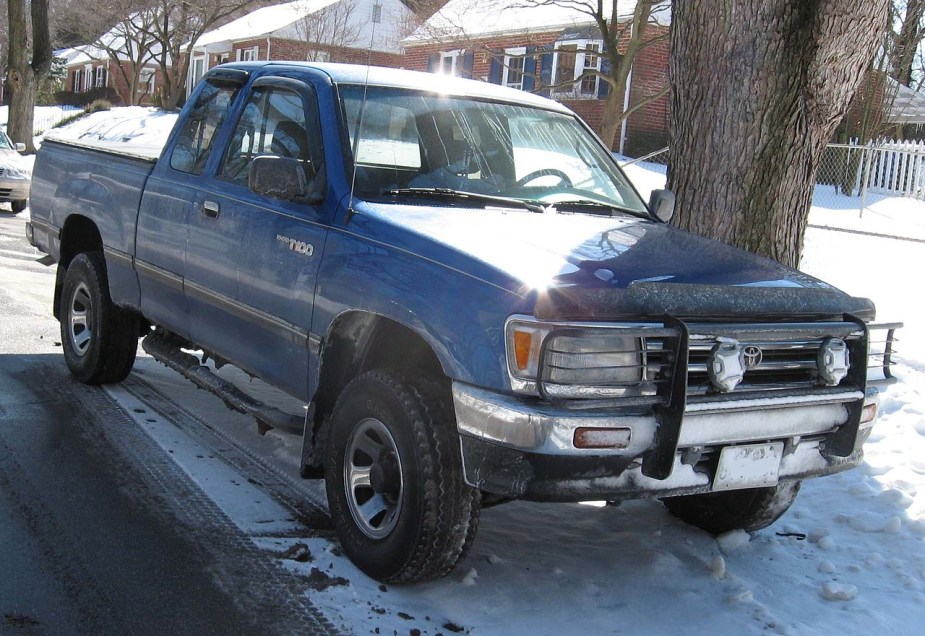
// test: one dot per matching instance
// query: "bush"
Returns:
(67, 98)
(97, 105)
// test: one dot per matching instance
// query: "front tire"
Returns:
(19, 205)
(749, 509)
(99, 339)
(393, 473)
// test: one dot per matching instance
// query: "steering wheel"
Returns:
(545, 172)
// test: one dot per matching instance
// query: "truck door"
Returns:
(261, 320)
(171, 194)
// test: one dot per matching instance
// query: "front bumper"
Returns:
(14, 189)
(525, 448)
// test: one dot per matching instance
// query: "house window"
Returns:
(571, 61)
(377, 13)
(449, 62)
(88, 77)
(223, 58)
(76, 85)
(100, 76)
(146, 81)
(512, 74)
(248, 55)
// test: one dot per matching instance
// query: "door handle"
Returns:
(210, 209)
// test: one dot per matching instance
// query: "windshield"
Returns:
(409, 142)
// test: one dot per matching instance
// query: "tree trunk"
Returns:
(21, 80)
(25, 70)
(757, 88)
(612, 118)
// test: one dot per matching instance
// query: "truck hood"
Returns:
(586, 266)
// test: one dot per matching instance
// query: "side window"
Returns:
(275, 122)
(192, 148)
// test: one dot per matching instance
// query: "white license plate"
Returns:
(751, 466)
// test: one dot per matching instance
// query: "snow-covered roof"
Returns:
(907, 107)
(262, 22)
(88, 53)
(113, 40)
(481, 18)
(282, 20)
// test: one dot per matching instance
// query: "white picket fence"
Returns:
(881, 167)
(44, 117)
(895, 167)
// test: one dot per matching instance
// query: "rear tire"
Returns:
(393, 473)
(750, 509)
(99, 339)
(19, 205)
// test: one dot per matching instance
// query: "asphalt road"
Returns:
(100, 532)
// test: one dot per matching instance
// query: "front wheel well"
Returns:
(358, 342)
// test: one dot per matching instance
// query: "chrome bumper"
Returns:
(520, 447)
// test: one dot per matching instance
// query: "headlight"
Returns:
(14, 172)
(566, 362)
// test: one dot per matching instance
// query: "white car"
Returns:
(15, 174)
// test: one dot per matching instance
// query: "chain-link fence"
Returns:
(851, 175)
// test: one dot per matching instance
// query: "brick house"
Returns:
(551, 50)
(353, 31)
(90, 69)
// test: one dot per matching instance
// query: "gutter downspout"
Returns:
(268, 48)
(626, 106)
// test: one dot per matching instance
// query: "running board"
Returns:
(166, 349)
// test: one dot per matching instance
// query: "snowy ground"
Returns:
(848, 558)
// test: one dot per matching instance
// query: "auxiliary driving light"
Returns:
(833, 361)
(726, 365)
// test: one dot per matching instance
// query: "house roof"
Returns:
(262, 22)
(460, 19)
(282, 19)
(115, 40)
(907, 107)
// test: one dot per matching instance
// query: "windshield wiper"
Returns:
(473, 197)
(596, 207)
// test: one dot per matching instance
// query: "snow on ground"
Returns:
(848, 558)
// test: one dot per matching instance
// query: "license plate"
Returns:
(750, 466)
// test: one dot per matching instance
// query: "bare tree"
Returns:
(907, 39)
(753, 108)
(130, 49)
(332, 27)
(27, 65)
(180, 22)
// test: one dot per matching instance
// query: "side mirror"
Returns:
(661, 202)
(277, 177)
(19, 147)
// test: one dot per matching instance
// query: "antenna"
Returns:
(356, 135)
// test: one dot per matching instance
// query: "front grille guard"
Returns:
(670, 400)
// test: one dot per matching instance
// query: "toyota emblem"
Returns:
(751, 356)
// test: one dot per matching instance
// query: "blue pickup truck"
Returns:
(467, 293)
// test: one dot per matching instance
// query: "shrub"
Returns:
(97, 105)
